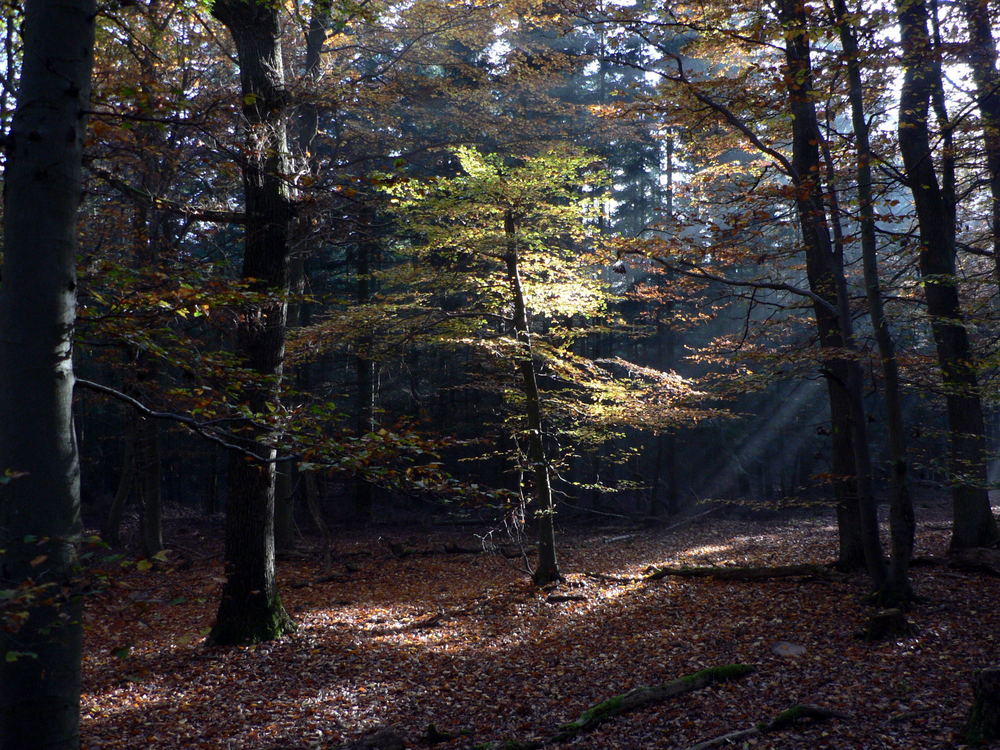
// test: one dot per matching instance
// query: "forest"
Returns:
(382, 374)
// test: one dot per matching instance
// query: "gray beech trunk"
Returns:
(250, 609)
(547, 569)
(40, 523)
(973, 522)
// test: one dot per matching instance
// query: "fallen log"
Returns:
(783, 720)
(636, 698)
(732, 573)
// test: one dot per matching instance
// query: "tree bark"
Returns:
(40, 524)
(901, 518)
(982, 56)
(973, 522)
(547, 569)
(251, 609)
(364, 365)
(826, 280)
(148, 483)
(111, 533)
(984, 719)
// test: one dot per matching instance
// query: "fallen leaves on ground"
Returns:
(465, 643)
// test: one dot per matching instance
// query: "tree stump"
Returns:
(984, 719)
(887, 623)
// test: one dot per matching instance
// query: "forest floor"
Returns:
(408, 637)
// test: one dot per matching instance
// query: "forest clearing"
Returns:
(465, 643)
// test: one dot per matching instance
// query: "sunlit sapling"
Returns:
(510, 243)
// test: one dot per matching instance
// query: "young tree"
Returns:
(505, 245)
(39, 473)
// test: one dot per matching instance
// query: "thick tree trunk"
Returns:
(547, 569)
(984, 719)
(826, 280)
(40, 502)
(901, 518)
(974, 525)
(251, 609)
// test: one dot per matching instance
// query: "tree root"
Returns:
(802, 572)
(979, 559)
(783, 720)
(634, 699)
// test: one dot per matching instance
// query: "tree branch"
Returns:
(196, 426)
(217, 215)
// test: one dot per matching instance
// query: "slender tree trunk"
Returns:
(547, 570)
(824, 268)
(364, 365)
(973, 525)
(901, 518)
(111, 533)
(40, 501)
(982, 58)
(148, 484)
(251, 609)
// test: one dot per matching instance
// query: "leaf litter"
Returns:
(464, 642)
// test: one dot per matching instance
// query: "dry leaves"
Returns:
(465, 643)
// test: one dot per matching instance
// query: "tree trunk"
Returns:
(547, 569)
(284, 507)
(973, 522)
(251, 609)
(364, 366)
(826, 280)
(901, 518)
(40, 501)
(984, 720)
(982, 58)
(111, 532)
(148, 483)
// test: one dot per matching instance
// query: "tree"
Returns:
(982, 56)
(825, 271)
(902, 521)
(505, 246)
(251, 608)
(39, 486)
(934, 202)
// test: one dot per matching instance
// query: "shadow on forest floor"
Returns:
(464, 641)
